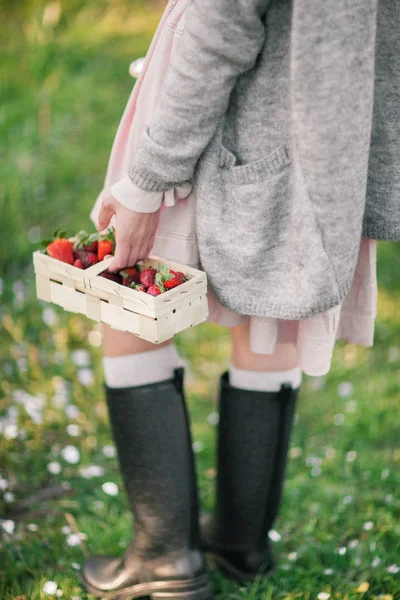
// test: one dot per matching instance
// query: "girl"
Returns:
(252, 146)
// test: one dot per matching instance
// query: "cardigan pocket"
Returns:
(257, 208)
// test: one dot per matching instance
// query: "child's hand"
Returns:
(134, 232)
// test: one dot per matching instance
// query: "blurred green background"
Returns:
(64, 85)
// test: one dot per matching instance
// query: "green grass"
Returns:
(64, 91)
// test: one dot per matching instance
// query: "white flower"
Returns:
(49, 316)
(50, 588)
(389, 498)
(3, 484)
(368, 526)
(32, 527)
(342, 551)
(91, 471)
(292, 556)
(72, 411)
(8, 526)
(76, 566)
(9, 497)
(197, 447)
(323, 596)
(59, 593)
(70, 454)
(347, 499)
(274, 536)
(213, 418)
(394, 569)
(351, 456)
(109, 451)
(338, 419)
(345, 389)
(313, 461)
(54, 467)
(110, 488)
(385, 473)
(376, 562)
(80, 358)
(10, 431)
(328, 572)
(353, 544)
(316, 471)
(73, 430)
(73, 539)
(65, 530)
(85, 376)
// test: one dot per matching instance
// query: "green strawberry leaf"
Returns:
(158, 279)
(45, 243)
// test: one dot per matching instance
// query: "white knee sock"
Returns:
(142, 368)
(264, 381)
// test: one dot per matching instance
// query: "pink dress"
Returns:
(352, 320)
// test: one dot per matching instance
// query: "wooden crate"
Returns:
(153, 318)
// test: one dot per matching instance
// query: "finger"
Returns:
(106, 212)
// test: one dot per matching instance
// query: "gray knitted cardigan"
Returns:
(286, 115)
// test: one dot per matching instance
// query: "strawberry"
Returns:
(154, 290)
(87, 258)
(130, 275)
(78, 264)
(171, 283)
(111, 276)
(61, 249)
(147, 277)
(106, 244)
(178, 274)
(138, 287)
(104, 247)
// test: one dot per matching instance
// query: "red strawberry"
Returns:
(130, 275)
(104, 247)
(154, 290)
(111, 276)
(87, 258)
(61, 249)
(171, 283)
(91, 247)
(147, 277)
(178, 274)
(78, 264)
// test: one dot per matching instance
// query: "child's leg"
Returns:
(256, 418)
(150, 427)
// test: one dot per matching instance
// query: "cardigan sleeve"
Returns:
(220, 41)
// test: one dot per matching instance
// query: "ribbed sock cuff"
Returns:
(142, 368)
(264, 381)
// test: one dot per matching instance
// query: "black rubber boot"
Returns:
(253, 441)
(163, 561)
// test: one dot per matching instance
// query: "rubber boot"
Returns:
(164, 560)
(253, 440)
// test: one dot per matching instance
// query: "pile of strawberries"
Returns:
(86, 250)
(83, 251)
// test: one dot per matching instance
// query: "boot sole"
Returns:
(190, 589)
(232, 572)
